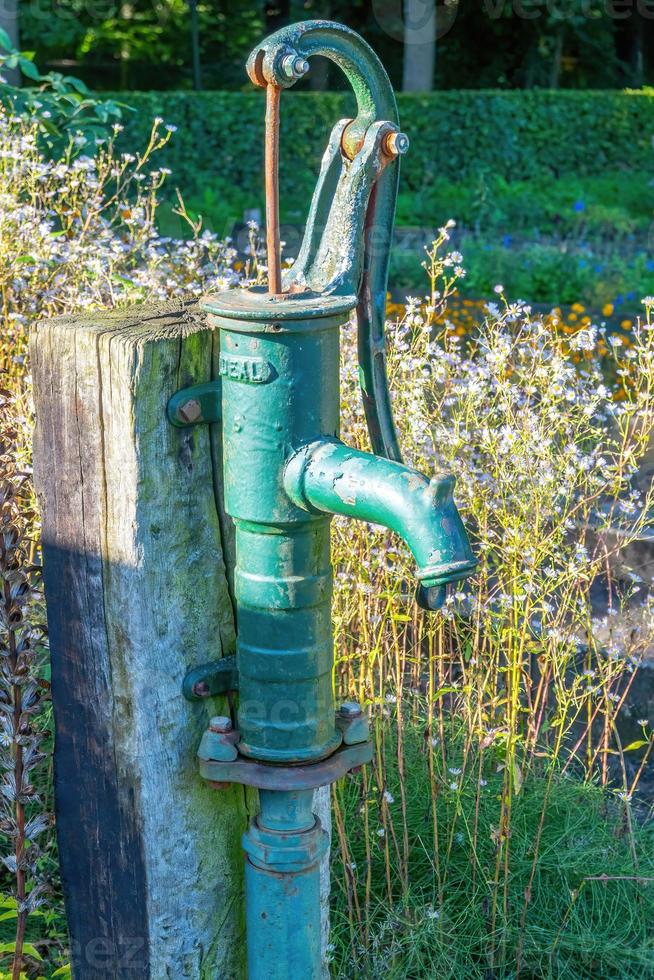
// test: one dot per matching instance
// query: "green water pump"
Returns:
(286, 473)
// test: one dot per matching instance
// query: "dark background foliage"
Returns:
(143, 44)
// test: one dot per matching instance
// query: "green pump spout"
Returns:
(327, 476)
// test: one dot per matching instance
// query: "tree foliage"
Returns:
(141, 44)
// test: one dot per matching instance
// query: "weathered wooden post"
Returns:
(137, 594)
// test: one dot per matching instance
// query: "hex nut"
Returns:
(220, 724)
(293, 66)
(396, 144)
(349, 709)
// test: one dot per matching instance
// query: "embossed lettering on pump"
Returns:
(252, 370)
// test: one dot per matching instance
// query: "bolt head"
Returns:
(220, 724)
(190, 411)
(396, 144)
(201, 689)
(349, 709)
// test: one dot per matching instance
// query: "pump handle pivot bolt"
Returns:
(293, 66)
(396, 144)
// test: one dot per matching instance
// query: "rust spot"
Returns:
(255, 69)
(273, 95)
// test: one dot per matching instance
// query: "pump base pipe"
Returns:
(284, 846)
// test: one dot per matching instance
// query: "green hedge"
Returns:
(531, 134)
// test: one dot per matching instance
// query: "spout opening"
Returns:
(434, 580)
(431, 598)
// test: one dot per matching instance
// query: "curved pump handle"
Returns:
(346, 246)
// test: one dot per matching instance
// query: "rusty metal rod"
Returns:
(273, 94)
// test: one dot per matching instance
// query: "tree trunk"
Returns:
(637, 51)
(195, 46)
(9, 23)
(419, 45)
(555, 72)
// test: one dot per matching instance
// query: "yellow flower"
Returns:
(578, 308)
(607, 309)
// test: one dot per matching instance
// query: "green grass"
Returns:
(570, 240)
(609, 207)
(556, 274)
(574, 928)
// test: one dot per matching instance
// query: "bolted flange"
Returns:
(248, 772)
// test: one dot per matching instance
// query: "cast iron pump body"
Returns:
(286, 473)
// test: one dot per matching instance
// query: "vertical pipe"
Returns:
(280, 389)
(284, 846)
(273, 94)
(283, 587)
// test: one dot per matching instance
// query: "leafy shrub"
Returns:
(67, 116)
(23, 689)
(82, 233)
(530, 136)
(608, 207)
(548, 273)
